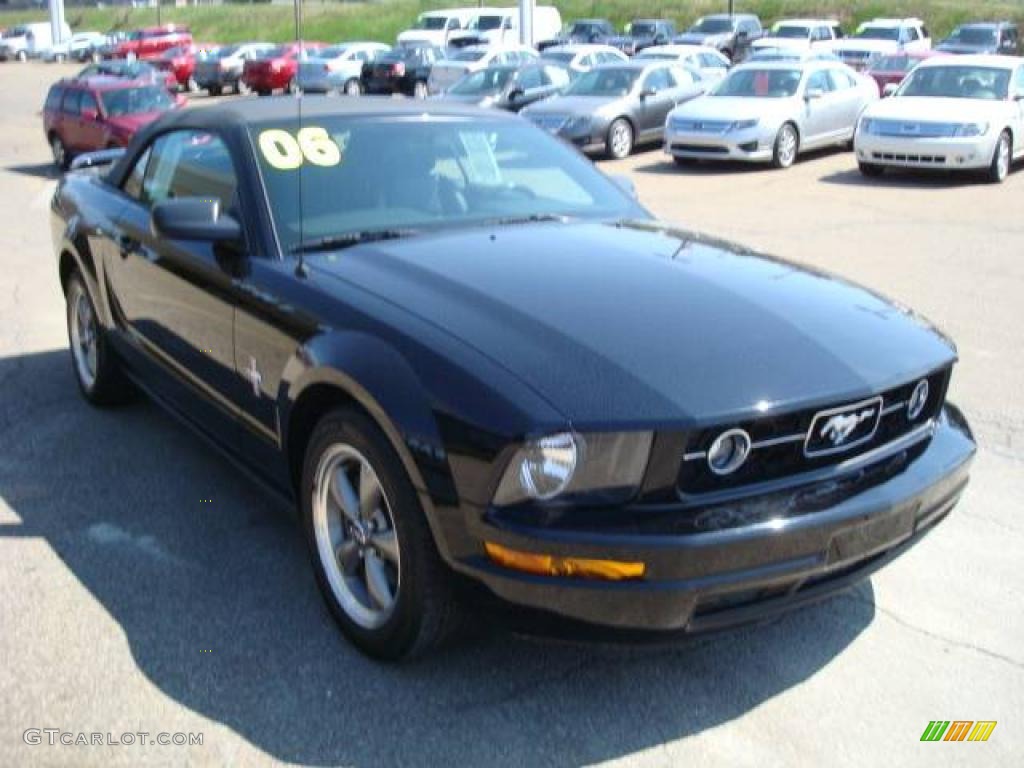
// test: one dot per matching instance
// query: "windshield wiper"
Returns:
(528, 219)
(349, 239)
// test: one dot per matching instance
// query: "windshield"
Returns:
(878, 33)
(561, 57)
(958, 82)
(604, 81)
(585, 28)
(712, 25)
(642, 29)
(430, 22)
(485, 81)
(131, 101)
(973, 36)
(467, 56)
(760, 83)
(893, 64)
(225, 52)
(791, 31)
(484, 23)
(657, 56)
(394, 174)
(16, 32)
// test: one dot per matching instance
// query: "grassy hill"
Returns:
(383, 20)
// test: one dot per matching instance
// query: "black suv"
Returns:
(404, 69)
(582, 31)
(644, 33)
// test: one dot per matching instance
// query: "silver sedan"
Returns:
(770, 112)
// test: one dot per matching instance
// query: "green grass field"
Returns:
(382, 20)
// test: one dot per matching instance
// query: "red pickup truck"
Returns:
(151, 42)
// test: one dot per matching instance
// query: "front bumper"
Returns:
(751, 144)
(794, 546)
(266, 81)
(949, 154)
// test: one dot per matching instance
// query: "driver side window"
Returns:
(184, 163)
(658, 80)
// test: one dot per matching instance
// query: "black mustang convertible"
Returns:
(481, 369)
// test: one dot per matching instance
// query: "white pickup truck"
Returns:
(882, 36)
(801, 35)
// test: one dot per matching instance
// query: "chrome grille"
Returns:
(698, 126)
(778, 443)
(913, 129)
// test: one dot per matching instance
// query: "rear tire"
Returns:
(61, 158)
(214, 90)
(21, 56)
(619, 141)
(420, 90)
(787, 145)
(353, 88)
(1002, 157)
(379, 548)
(97, 370)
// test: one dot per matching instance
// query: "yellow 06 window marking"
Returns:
(311, 144)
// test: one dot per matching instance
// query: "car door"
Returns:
(70, 124)
(175, 298)
(1017, 95)
(656, 101)
(91, 133)
(849, 100)
(821, 118)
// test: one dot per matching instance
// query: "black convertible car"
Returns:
(480, 369)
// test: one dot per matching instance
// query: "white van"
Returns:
(29, 40)
(493, 26)
(435, 27)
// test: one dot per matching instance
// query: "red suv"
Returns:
(150, 42)
(277, 69)
(99, 113)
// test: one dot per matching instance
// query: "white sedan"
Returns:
(770, 113)
(583, 57)
(711, 64)
(956, 112)
(445, 73)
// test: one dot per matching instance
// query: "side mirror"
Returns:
(889, 90)
(813, 93)
(647, 93)
(90, 115)
(624, 183)
(516, 93)
(742, 34)
(194, 218)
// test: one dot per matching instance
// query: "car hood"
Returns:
(575, 105)
(926, 109)
(785, 43)
(697, 38)
(730, 108)
(963, 48)
(480, 99)
(868, 46)
(636, 323)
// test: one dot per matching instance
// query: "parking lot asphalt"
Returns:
(129, 603)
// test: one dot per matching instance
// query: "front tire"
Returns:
(420, 90)
(97, 371)
(620, 139)
(353, 88)
(214, 90)
(373, 554)
(999, 168)
(871, 170)
(61, 158)
(787, 144)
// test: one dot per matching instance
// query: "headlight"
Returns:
(865, 125)
(611, 465)
(577, 124)
(742, 125)
(971, 129)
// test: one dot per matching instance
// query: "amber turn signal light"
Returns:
(574, 567)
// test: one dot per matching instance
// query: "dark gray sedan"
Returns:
(617, 106)
(508, 87)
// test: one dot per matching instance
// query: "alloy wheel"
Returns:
(84, 347)
(1002, 158)
(419, 90)
(60, 154)
(620, 139)
(786, 148)
(352, 88)
(355, 536)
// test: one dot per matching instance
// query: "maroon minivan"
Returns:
(100, 112)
